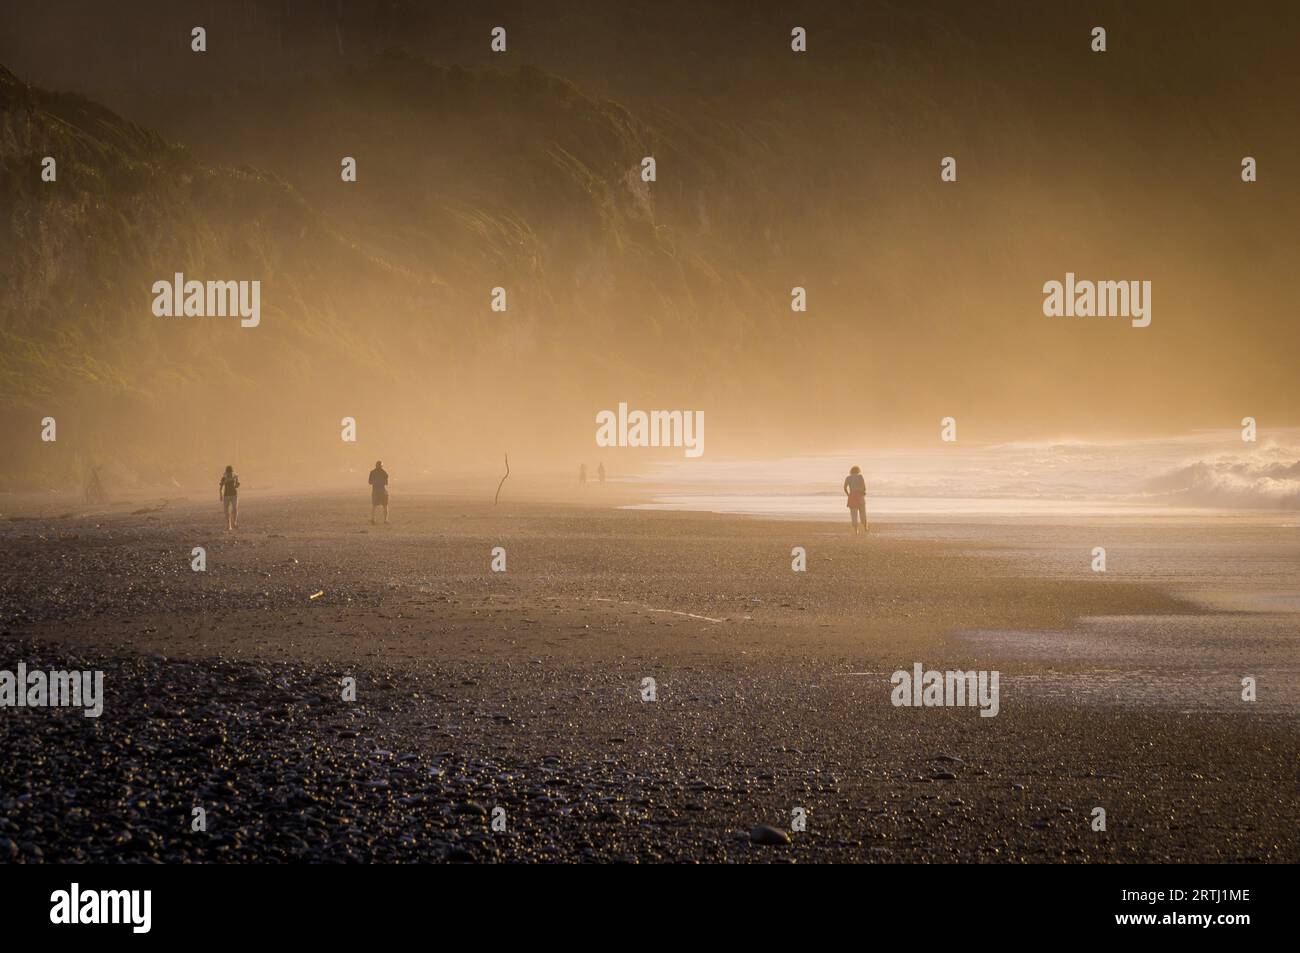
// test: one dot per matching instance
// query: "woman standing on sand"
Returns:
(855, 488)
(228, 490)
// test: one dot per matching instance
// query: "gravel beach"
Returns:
(499, 716)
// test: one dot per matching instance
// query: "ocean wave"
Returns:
(1267, 478)
(1205, 470)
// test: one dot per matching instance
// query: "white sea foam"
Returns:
(1173, 476)
(1269, 477)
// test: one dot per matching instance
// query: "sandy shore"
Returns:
(522, 690)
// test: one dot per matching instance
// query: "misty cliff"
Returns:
(375, 294)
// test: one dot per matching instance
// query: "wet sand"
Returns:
(522, 690)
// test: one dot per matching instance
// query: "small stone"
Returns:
(771, 836)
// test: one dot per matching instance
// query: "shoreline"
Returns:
(710, 565)
(521, 690)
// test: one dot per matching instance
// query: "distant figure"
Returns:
(582, 474)
(855, 488)
(228, 491)
(378, 490)
(94, 492)
(600, 473)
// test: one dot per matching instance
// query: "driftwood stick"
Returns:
(497, 498)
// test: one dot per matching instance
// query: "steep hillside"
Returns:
(378, 307)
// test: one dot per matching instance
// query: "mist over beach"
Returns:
(781, 179)
(1204, 474)
(650, 432)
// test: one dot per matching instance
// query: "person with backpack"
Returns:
(228, 492)
(855, 488)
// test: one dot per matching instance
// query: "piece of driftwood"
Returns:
(497, 498)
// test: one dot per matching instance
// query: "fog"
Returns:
(522, 171)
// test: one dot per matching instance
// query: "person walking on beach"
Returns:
(600, 473)
(228, 493)
(855, 488)
(582, 474)
(378, 491)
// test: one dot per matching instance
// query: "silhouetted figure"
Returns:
(600, 473)
(582, 474)
(855, 488)
(94, 492)
(228, 491)
(378, 490)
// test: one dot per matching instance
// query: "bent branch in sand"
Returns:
(496, 498)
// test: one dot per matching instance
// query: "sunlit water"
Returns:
(1202, 475)
(1206, 518)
